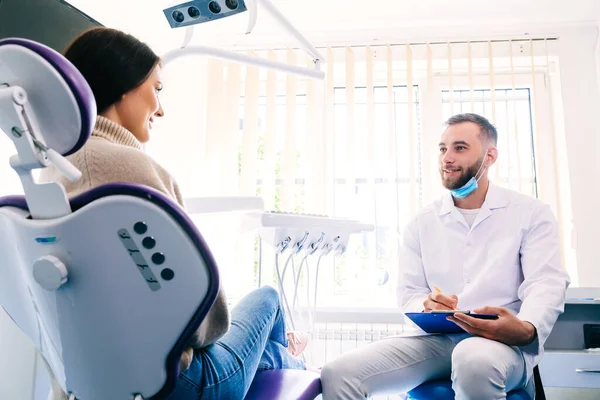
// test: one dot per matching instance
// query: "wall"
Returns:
(581, 104)
(50, 22)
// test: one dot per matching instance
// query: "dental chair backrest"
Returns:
(110, 285)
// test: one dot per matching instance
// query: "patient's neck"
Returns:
(112, 114)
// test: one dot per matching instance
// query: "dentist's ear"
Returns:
(492, 156)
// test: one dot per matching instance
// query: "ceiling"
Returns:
(333, 21)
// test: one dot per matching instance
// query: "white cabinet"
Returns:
(570, 368)
(566, 362)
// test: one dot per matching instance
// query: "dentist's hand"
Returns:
(507, 329)
(440, 301)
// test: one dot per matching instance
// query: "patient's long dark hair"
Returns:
(112, 62)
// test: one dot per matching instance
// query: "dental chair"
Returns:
(109, 286)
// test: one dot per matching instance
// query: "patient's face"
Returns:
(138, 109)
(460, 154)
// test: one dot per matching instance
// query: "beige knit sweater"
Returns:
(113, 154)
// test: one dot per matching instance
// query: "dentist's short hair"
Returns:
(488, 131)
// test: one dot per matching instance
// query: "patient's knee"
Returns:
(269, 296)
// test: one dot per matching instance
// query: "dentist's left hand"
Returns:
(507, 329)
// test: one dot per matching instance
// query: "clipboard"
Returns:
(436, 322)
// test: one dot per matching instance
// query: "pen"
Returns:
(438, 290)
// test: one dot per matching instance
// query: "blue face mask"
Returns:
(470, 186)
(466, 189)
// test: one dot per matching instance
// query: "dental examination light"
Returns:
(200, 11)
(195, 12)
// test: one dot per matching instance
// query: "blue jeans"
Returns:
(257, 340)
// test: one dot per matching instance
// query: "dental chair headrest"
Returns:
(61, 98)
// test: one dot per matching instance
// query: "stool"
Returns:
(441, 389)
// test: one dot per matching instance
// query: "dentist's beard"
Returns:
(466, 175)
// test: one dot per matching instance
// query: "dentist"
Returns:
(492, 250)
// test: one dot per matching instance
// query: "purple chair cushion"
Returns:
(77, 83)
(14, 201)
(284, 384)
(179, 215)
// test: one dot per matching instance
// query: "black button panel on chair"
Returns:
(140, 228)
(167, 274)
(149, 242)
(158, 258)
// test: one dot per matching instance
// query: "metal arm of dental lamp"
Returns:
(251, 6)
(241, 58)
(318, 59)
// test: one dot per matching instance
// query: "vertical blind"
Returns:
(363, 143)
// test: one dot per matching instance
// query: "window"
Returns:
(369, 151)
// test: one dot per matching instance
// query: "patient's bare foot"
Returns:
(297, 342)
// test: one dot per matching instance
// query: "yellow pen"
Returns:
(438, 290)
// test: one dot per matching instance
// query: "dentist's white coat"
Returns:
(509, 258)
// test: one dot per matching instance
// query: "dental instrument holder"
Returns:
(44, 200)
(303, 236)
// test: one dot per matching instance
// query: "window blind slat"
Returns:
(412, 140)
(515, 133)
(450, 80)
(289, 154)
(213, 145)
(230, 134)
(248, 168)
(270, 149)
(494, 116)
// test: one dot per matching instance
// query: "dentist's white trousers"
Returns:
(480, 369)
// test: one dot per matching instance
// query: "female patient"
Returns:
(125, 77)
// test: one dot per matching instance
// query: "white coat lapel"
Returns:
(494, 199)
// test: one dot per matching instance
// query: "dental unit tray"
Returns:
(310, 232)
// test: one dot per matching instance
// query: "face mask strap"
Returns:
(481, 169)
(471, 185)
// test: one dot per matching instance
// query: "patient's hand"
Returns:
(507, 329)
(439, 301)
(186, 359)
